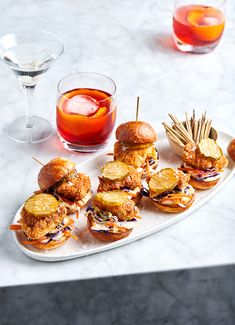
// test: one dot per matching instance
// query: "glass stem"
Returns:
(29, 92)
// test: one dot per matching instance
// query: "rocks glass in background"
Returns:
(198, 25)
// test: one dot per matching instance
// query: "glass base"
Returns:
(81, 148)
(39, 131)
(183, 47)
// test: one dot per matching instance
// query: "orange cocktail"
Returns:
(197, 28)
(85, 118)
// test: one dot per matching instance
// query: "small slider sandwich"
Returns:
(135, 146)
(44, 222)
(170, 192)
(111, 216)
(60, 178)
(204, 163)
(117, 175)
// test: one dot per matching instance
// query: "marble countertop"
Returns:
(130, 42)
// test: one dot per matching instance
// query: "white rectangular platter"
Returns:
(152, 220)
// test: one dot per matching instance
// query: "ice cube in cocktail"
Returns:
(84, 105)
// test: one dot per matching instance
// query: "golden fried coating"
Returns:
(130, 181)
(126, 211)
(136, 158)
(75, 188)
(183, 178)
(36, 228)
(192, 156)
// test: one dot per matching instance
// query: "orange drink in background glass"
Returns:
(198, 26)
(86, 111)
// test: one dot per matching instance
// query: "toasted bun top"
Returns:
(54, 171)
(136, 132)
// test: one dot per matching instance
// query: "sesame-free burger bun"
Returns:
(106, 236)
(52, 244)
(54, 171)
(202, 185)
(174, 209)
(136, 132)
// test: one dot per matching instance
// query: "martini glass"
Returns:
(29, 56)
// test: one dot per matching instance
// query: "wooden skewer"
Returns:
(175, 139)
(181, 128)
(174, 133)
(137, 108)
(208, 129)
(195, 130)
(188, 125)
(202, 129)
(199, 130)
(38, 161)
(192, 131)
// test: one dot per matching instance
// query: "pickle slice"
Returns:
(41, 205)
(111, 198)
(115, 170)
(164, 180)
(209, 148)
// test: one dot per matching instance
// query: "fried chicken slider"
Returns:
(117, 175)
(135, 146)
(204, 163)
(60, 178)
(111, 216)
(170, 192)
(44, 222)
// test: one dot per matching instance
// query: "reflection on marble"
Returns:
(192, 297)
(129, 41)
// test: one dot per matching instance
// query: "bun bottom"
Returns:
(106, 236)
(173, 209)
(52, 244)
(201, 185)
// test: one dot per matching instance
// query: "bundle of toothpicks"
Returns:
(191, 130)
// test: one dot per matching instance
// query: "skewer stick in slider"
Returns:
(137, 108)
(38, 161)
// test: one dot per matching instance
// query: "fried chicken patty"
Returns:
(36, 227)
(183, 178)
(134, 157)
(130, 181)
(75, 188)
(126, 211)
(192, 156)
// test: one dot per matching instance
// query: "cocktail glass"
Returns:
(198, 25)
(29, 56)
(86, 111)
